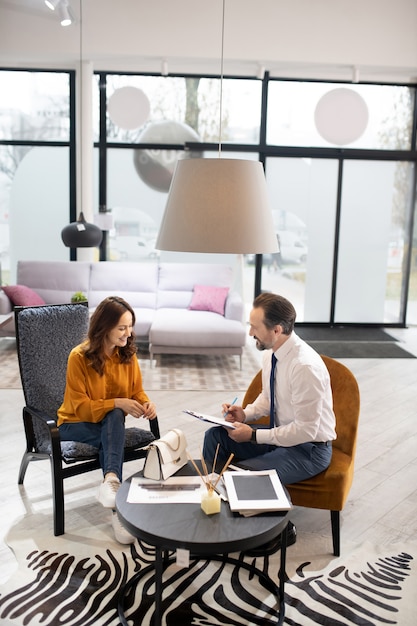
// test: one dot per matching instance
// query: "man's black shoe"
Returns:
(275, 544)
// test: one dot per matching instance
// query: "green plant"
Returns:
(78, 296)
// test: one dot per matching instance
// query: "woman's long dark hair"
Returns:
(104, 319)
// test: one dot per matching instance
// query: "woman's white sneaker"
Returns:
(121, 534)
(107, 493)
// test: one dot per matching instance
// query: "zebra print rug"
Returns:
(74, 581)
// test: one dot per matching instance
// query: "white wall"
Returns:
(297, 38)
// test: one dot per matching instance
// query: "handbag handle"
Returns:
(173, 448)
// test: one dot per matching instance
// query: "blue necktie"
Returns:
(272, 392)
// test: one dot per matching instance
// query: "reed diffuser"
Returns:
(210, 499)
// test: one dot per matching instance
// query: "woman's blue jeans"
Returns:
(108, 436)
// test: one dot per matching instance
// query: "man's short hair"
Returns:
(277, 311)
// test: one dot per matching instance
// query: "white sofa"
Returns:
(159, 294)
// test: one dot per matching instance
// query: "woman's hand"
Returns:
(135, 409)
(149, 410)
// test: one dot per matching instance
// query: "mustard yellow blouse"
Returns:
(89, 396)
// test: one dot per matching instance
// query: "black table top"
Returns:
(171, 526)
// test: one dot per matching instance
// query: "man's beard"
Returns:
(260, 345)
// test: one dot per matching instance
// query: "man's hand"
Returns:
(233, 413)
(241, 432)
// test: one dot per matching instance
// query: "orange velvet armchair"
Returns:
(329, 489)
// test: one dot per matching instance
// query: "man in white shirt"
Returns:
(298, 443)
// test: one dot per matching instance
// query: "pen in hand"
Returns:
(231, 404)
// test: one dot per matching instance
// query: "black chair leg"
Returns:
(58, 500)
(26, 459)
(335, 519)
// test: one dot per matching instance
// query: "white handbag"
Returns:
(166, 455)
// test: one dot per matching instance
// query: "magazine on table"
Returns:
(173, 490)
(254, 492)
(219, 421)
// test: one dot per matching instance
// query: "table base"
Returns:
(162, 561)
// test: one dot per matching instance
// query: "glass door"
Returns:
(374, 244)
(303, 197)
(344, 264)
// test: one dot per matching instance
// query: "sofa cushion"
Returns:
(174, 299)
(73, 451)
(197, 329)
(20, 295)
(144, 319)
(177, 281)
(55, 281)
(137, 283)
(209, 298)
(183, 276)
(137, 438)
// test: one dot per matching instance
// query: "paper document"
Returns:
(219, 421)
(176, 489)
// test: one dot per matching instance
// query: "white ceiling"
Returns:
(322, 39)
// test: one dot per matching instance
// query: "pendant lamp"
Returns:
(81, 234)
(218, 205)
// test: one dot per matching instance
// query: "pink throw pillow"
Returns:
(206, 298)
(20, 295)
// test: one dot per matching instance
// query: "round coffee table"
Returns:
(210, 537)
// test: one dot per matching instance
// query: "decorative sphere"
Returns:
(341, 116)
(129, 107)
(156, 167)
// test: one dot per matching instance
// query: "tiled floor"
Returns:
(382, 506)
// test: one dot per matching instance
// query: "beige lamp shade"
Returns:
(220, 206)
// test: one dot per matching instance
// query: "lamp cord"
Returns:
(221, 80)
(80, 103)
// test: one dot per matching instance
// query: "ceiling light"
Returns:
(81, 234)
(218, 205)
(65, 14)
(52, 4)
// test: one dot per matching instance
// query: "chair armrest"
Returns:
(234, 307)
(42, 432)
(154, 426)
(5, 303)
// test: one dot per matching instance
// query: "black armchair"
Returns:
(45, 336)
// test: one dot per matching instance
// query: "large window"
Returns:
(182, 109)
(359, 116)
(339, 163)
(34, 106)
(34, 166)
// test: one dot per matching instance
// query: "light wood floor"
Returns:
(382, 507)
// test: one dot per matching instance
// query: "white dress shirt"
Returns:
(303, 397)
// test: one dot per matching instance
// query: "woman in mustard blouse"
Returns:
(103, 385)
